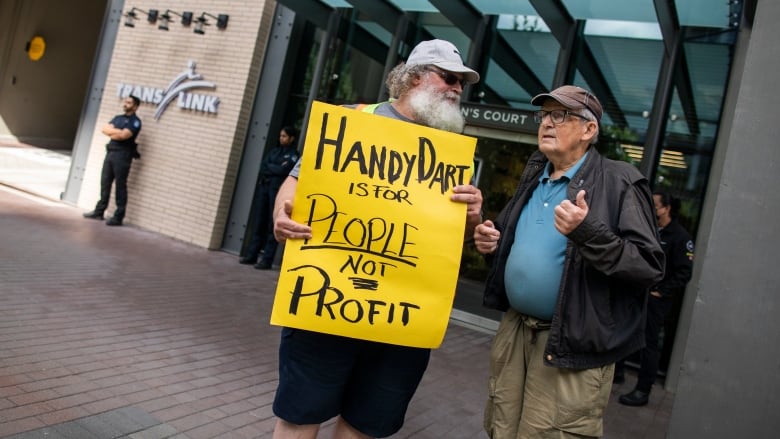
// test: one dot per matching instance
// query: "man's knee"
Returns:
(344, 430)
(288, 430)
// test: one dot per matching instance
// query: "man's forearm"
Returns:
(117, 134)
(286, 192)
(109, 130)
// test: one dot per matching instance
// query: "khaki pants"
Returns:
(528, 400)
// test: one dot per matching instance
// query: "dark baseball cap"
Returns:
(571, 96)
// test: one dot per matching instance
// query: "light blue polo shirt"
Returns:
(535, 263)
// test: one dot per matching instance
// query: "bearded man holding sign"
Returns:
(366, 383)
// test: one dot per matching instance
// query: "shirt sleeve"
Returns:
(633, 254)
(296, 170)
(679, 265)
(134, 125)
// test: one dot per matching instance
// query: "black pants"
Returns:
(116, 169)
(263, 234)
(650, 355)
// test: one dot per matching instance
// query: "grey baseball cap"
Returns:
(442, 54)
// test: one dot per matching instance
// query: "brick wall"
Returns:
(182, 186)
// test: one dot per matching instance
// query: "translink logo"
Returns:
(178, 89)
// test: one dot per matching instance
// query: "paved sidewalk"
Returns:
(37, 170)
(110, 332)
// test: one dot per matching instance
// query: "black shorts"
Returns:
(369, 384)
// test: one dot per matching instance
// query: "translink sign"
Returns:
(180, 89)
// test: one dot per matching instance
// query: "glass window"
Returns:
(414, 5)
(630, 66)
(620, 10)
(498, 7)
(705, 13)
(709, 66)
(628, 51)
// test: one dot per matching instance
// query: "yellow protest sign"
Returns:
(382, 263)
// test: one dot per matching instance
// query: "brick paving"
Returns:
(109, 332)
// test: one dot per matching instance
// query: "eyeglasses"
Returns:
(557, 116)
(449, 78)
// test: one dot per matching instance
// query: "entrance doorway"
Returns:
(43, 90)
(500, 160)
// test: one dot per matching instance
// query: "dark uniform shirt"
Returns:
(678, 248)
(277, 164)
(122, 121)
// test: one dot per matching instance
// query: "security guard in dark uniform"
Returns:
(120, 151)
(273, 170)
(678, 249)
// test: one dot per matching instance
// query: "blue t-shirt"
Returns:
(535, 262)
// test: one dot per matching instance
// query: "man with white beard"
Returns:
(368, 385)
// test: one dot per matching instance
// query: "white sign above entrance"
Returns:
(179, 89)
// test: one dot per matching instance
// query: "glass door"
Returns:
(499, 164)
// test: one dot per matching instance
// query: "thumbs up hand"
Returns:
(569, 215)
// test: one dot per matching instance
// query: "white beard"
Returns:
(433, 109)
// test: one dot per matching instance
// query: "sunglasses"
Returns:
(449, 78)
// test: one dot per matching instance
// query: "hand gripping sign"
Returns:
(382, 263)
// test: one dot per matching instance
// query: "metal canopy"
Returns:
(312, 10)
(670, 29)
(620, 50)
(560, 22)
(469, 20)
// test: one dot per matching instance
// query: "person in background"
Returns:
(273, 170)
(573, 255)
(678, 248)
(368, 385)
(122, 131)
